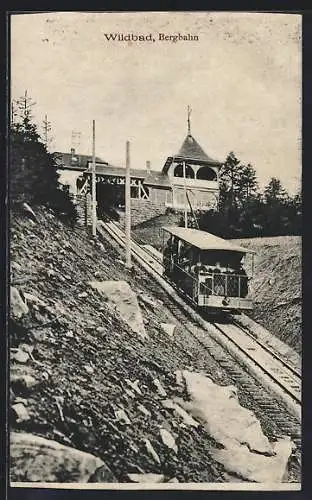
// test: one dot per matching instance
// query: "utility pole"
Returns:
(93, 190)
(189, 110)
(128, 207)
(185, 197)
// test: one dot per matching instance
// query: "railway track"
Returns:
(250, 355)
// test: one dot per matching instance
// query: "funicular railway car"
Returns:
(211, 271)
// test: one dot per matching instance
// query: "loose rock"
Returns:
(32, 299)
(144, 410)
(134, 385)
(151, 450)
(18, 305)
(168, 328)
(161, 391)
(173, 405)
(20, 412)
(168, 439)
(29, 211)
(20, 382)
(122, 417)
(16, 266)
(120, 294)
(21, 356)
(89, 369)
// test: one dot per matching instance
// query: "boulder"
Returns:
(120, 295)
(224, 418)
(18, 304)
(256, 467)
(246, 451)
(36, 459)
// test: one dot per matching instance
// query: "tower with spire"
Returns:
(193, 171)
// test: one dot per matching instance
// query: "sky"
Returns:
(242, 79)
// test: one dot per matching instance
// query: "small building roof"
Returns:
(74, 161)
(204, 240)
(83, 164)
(150, 178)
(110, 170)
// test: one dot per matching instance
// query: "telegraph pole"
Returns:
(189, 111)
(185, 197)
(93, 190)
(128, 207)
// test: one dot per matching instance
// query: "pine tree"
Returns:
(33, 171)
(247, 183)
(274, 192)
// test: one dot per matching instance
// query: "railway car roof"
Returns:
(203, 240)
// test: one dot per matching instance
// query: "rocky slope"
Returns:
(82, 378)
(276, 286)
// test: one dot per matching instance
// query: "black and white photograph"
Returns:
(155, 321)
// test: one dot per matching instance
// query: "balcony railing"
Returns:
(195, 183)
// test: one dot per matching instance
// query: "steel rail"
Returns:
(153, 263)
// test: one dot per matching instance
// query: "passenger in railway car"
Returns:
(217, 268)
(244, 281)
(200, 267)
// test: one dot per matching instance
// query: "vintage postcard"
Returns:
(155, 250)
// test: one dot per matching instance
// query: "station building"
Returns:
(189, 177)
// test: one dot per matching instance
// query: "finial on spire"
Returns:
(189, 111)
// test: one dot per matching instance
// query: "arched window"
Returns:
(206, 174)
(189, 172)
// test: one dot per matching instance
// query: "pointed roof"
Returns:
(191, 150)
